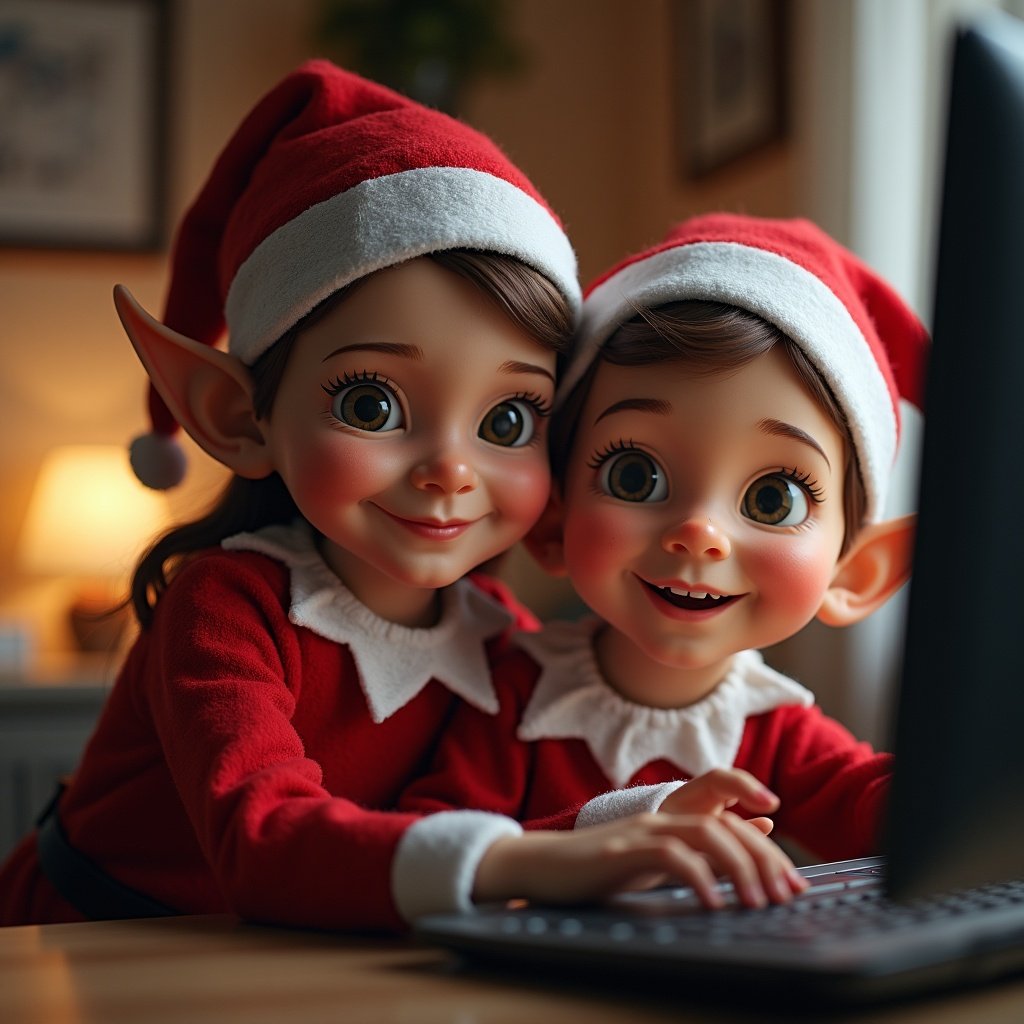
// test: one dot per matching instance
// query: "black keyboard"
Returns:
(843, 938)
(846, 909)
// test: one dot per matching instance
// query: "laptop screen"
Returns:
(957, 810)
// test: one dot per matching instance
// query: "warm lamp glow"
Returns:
(88, 515)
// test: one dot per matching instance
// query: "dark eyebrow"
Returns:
(780, 429)
(655, 405)
(514, 366)
(387, 347)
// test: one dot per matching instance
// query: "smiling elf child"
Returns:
(727, 433)
(395, 294)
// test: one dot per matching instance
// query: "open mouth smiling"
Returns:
(692, 600)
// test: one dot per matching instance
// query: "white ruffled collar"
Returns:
(572, 700)
(394, 662)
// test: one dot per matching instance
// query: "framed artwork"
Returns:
(730, 79)
(83, 128)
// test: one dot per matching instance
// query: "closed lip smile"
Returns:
(435, 529)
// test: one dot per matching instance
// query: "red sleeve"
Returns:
(832, 787)
(224, 666)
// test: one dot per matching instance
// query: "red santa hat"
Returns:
(859, 334)
(329, 178)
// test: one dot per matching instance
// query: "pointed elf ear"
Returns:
(875, 567)
(545, 542)
(208, 391)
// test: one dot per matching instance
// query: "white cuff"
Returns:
(621, 803)
(437, 857)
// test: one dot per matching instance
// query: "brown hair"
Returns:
(711, 338)
(529, 299)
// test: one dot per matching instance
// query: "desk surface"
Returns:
(214, 970)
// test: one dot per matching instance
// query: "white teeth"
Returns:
(696, 594)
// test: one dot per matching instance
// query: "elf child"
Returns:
(722, 454)
(395, 293)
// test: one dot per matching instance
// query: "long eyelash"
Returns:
(538, 403)
(604, 454)
(346, 380)
(814, 490)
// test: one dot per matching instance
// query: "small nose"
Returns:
(697, 536)
(444, 474)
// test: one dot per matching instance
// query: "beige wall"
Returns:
(592, 121)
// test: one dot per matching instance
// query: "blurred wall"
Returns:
(592, 119)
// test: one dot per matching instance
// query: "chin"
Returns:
(429, 578)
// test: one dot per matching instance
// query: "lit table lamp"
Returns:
(89, 518)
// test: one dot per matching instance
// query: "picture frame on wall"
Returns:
(730, 64)
(83, 91)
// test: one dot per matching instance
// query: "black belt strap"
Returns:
(89, 889)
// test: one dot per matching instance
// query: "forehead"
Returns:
(421, 305)
(722, 403)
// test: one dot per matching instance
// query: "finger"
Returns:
(765, 825)
(644, 862)
(690, 868)
(739, 786)
(726, 853)
(722, 788)
(773, 866)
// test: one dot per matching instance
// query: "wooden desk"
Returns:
(214, 970)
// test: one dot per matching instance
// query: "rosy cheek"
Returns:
(598, 541)
(520, 488)
(795, 575)
(336, 471)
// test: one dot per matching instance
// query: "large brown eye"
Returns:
(369, 406)
(633, 476)
(775, 500)
(509, 424)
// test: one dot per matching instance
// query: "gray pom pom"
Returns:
(158, 461)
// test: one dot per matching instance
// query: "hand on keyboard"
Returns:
(640, 852)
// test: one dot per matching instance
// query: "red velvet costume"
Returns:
(562, 737)
(238, 765)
